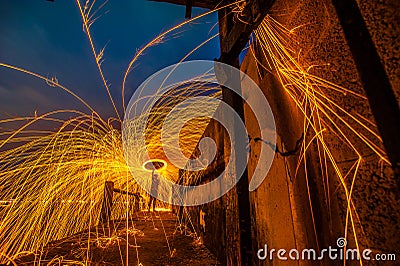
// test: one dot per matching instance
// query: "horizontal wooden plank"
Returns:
(137, 195)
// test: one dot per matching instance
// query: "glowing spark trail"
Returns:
(317, 99)
(52, 181)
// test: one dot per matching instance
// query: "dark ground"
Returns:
(146, 241)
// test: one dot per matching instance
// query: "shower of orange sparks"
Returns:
(322, 114)
(96, 153)
(59, 175)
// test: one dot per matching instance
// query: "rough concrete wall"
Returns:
(382, 19)
(215, 223)
(375, 199)
(292, 210)
(282, 217)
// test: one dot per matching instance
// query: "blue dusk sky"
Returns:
(47, 38)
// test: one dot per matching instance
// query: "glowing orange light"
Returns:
(154, 164)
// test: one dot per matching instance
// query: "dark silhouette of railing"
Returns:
(107, 206)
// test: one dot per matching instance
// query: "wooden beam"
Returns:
(234, 40)
(189, 5)
(234, 35)
(106, 209)
(238, 33)
(136, 195)
(210, 4)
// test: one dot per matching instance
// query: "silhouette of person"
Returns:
(154, 190)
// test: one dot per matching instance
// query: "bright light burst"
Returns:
(52, 181)
(56, 180)
(59, 175)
